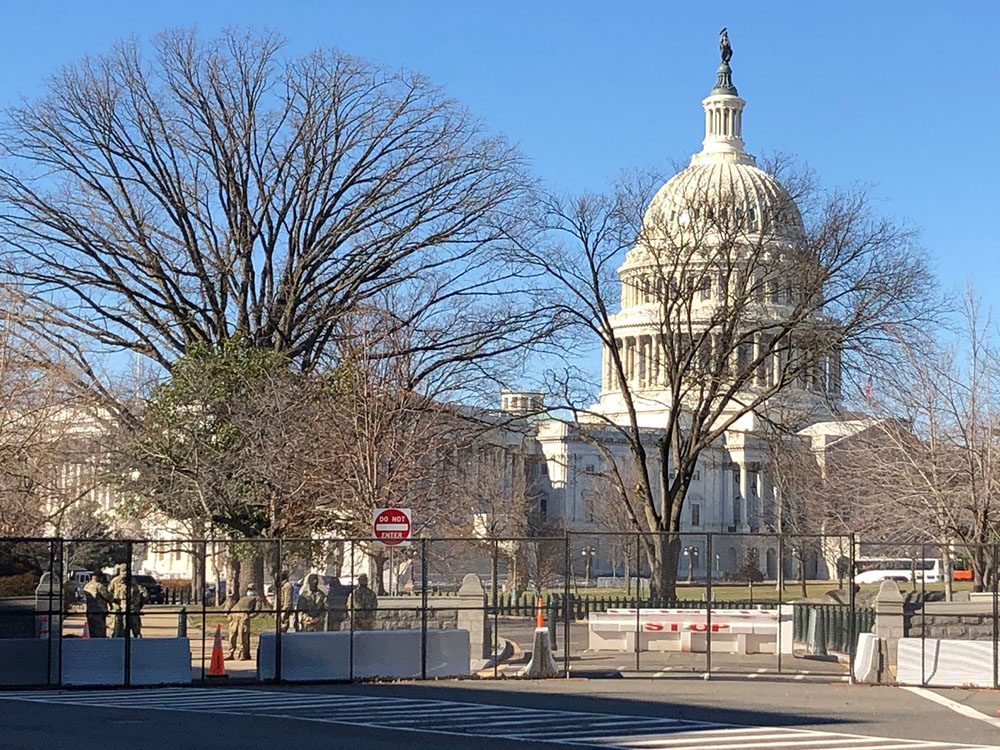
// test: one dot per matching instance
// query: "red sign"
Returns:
(391, 526)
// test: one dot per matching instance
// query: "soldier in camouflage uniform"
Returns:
(116, 617)
(363, 602)
(287, 606)
(99, 600)
(130, 598)
(336, 603)
(310, 609)
(240, 614)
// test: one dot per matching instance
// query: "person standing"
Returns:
(116, 618)
(336, 604)
(240, 614)
(311, 607)
(287, 606)
(363, 602)
(131, 597)
(98, 600)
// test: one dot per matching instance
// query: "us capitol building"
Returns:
(733, 491)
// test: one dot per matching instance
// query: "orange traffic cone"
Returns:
(539, 613)
(45, 627)
(217, 667)
(86, 629)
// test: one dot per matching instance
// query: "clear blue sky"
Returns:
(899, 95)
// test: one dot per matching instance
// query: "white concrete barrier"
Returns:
(748, 631)
(101, 661)
(866, 658)
(948, 663)
(377, 653)
(29, 661)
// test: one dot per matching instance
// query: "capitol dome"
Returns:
(723, 186)
(733, 192)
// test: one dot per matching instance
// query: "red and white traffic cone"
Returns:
(45, 627)
(217, 667)
(86, 629)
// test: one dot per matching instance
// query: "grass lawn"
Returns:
(762, 592)
(258, 624)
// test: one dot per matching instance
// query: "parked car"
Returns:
(155, 592)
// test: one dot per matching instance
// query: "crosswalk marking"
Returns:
(581, 728)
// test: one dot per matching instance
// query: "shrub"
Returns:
(22, 584)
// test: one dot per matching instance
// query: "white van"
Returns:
(878, 569)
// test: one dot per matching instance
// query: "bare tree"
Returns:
(750, 315)
(51, 455)
(217, 189)
(930, 471)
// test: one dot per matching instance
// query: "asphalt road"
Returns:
(674, 713)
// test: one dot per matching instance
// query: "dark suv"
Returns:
(155, 593)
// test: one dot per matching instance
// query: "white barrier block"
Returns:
(101, 661)
(736, 631)
(377, 653)
(29, 661)
(866, 658)
(948, 663)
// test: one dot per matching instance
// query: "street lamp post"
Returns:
(692, 554)
(588, 560)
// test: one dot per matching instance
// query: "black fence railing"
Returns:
(736, 603)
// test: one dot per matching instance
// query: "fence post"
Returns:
(708, 606)
(278, 586)
(567, 561)
(128, 614)
(423, 608)
(496, 607)
(996, 624)
(852, 634)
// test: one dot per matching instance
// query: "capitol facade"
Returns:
(732, 491)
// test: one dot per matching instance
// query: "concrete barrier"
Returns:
(753, 631)
(948, 663)
(26, 661)
(542, 664)
(101, 661)
(377, 653)
(866, 659)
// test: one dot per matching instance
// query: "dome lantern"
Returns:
(723, 116)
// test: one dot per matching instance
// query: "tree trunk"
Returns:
(378, 563)
(257, 573)
(802, 574)
(663, 552)
(946, 572)
(234, 569)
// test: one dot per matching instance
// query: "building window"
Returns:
(737, 512)
(706, 287)
(695, 514)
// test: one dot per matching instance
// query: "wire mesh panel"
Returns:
(80, 612)
(32, 599)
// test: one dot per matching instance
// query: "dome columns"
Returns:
(723, 130)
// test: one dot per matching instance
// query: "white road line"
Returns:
(483, 721)
(959, 708)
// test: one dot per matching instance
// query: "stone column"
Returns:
(889, 621)
(471, 604)
(744, 491)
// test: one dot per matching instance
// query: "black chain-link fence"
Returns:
(175, 611)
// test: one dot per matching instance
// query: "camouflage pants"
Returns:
(239, 637)
(97, 624)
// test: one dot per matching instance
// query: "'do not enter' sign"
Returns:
(391, 526)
